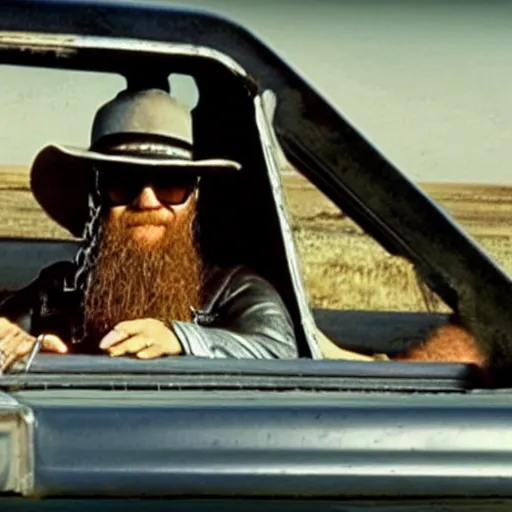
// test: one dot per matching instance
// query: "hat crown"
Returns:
(150, 112)
(147, 129)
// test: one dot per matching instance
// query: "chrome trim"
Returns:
(294, 265)
(17, 443)
(65, 45)
(33, 353)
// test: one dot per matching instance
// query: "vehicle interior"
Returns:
(240, 224)
(229, 206)
(237, 214)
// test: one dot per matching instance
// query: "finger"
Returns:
(132, 326)
(52, 343)
(14, 338)
(10, 345)
(152, 352)
(116, 335)
(21, 343)
(49, 342)
(8, 330)
(130, 346)
(20, 351)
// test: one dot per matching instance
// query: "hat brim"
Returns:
(219, 165)
(61, 178)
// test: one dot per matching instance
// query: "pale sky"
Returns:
(427, 81)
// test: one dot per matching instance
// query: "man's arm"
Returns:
(252, 322)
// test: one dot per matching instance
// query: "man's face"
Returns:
(148, 216)
(148, 263)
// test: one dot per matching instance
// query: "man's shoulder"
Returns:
(220, 279)
(237, 284)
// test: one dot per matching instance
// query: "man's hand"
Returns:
(15, 343)
(146, 339)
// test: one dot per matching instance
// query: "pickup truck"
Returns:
(306, 434)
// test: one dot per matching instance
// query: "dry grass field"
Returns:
(343, 267)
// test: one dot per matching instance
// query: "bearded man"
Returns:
(139, 284)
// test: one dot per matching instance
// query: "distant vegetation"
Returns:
(343, 267)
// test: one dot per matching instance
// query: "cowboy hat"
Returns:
(147, 128)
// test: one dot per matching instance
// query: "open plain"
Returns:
(342, 266)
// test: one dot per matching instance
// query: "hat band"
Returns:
(153, 149)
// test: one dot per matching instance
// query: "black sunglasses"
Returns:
(170, 188)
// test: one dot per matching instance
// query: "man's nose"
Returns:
(147, 199)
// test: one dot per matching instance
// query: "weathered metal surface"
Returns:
(62, 46)
(295, 444)
(257, 504)
(50, 371)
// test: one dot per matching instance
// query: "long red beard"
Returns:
(131, 281)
